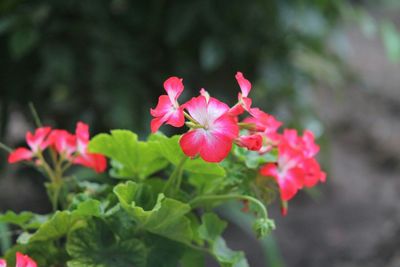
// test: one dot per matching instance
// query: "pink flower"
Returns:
(24, 261)
(63, 142)
(37, 142)
(287, 171)
(168, 110)
(96, 162)
(244, 102)
(251, 142)
(312, 172)
(213, 137)
(263, 122)
(21, 261)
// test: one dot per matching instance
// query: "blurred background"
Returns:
(330, 66)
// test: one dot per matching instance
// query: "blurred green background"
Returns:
(104, 62)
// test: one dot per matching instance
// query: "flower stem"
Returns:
(210, 198)
(174, 181)
(35, 115)
(190, 118)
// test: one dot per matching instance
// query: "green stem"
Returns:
(190, 118)
(202, 199)
(5, 148)
(35, 115)
(174, 181)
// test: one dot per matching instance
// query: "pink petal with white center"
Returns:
(216, 109)
(20, 154)
(165, 112)
(63, 142)
(174, 88)
(288, 185)
(192, 141)
(216, 147)
(176, 118)
(244, 84)
(24, 261)
(3, 263)
(37, 140)
(197, 108)
(82, 132)
(164, 106)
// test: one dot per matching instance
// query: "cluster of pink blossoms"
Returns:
(71, 148)
(21, 261)
(215, 127)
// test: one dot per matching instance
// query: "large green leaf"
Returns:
(165, 218)
(97, 246)
(211, 230)
(170, 149)
(163, 252)
(130, 157)
(211, 227)
(227, 257)
(58, 226)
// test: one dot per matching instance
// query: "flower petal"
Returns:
(164, 106)
(244, 84)
(3, 263)
(192, 142)
(24, 261)
(216, 147)
(176, 118)
(174, 88)
(20, 154)
(36, 141)
(96, 162)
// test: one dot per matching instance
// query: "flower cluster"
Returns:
(67, 147)
(215, 127)
(21, 261)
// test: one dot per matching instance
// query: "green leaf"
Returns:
(193, 258)
(165, 218)
(227, 257)
(163, 251)
(25, 220)
(212, 227)
(90, 207)
(253, 159)
(58, 226)
(130, 157)
(171, 150)
(97, 246)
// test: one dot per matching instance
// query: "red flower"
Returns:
(251, 142)
(244, 102)
(63, 142)
(287, 171)
(24, 261)
(37, 142)
(96, 162)
(168, 110)
(213, 136)
(3, 263)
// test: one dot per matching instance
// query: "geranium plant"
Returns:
(155, 206)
